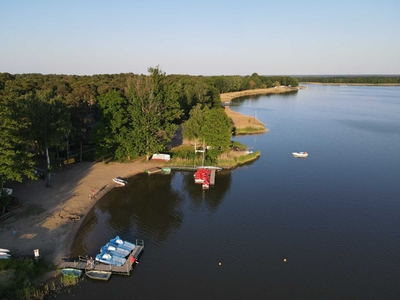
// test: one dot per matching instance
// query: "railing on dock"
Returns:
(125, 269)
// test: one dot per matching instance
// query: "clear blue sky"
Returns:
(200, 37)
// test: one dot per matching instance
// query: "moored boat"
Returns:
(5, 255)
(120, 181)
(110, 259)
(166, 170)
(98, 275)
(122, 244)
(202, 175)
(115, 250)
(71, 272)
(300, 154)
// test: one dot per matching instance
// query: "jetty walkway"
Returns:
(125, 269)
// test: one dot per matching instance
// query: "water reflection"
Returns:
(148, 206)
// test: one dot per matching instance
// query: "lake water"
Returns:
(334, 216)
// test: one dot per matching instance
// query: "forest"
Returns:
(118, 116)
(367, 79)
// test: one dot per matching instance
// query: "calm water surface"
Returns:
(334, 216)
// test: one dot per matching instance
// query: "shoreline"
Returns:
(228, 97)
(50, 218)
(353, 84)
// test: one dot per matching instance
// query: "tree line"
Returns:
(125, 115)
(368, 79)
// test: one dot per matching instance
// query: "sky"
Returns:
(200, 37)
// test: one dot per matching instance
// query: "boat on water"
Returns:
(300, 154)
(5, 255)
(166, 170)
(120, 181)
(4, 250)
(110, 259)
(98, 275)
(202, 175)
(115, 250)
(71, 272)
(117, 241)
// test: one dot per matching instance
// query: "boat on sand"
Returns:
(120, 181)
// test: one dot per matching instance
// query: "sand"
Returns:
(227, 97)
(49, 217)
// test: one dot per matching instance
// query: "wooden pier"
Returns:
(125, 269)
(212, 177)
(153, 170)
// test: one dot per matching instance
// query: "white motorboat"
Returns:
(300, 154)
(120, 181)
(5, 255)
(4, 250)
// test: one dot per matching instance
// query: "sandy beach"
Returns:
(227, 97)
(49, 217)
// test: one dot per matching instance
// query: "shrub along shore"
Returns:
(67, 197)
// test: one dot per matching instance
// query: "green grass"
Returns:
(20, 278)
(249, 130)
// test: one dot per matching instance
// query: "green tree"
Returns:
(217, 132)
(191, 129)
(15, 161)
(153, 112)
(113, 135)
(49, 120)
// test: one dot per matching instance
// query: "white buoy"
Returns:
(219, 263)
(284, 260)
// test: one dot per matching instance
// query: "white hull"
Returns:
(98, 275)
(120, 181)
(4, 250)
(300, 154)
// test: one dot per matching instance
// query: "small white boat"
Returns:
(5, 255)
(120, 181)
(4, 250)
(98, 275)
(300, 154)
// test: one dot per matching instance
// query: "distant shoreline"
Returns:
(353, 84)
(228, 97)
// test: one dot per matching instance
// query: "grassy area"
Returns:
(185, 156)
(249, 130)
(28, 278)
(236, 158)
(245, 124)
(20, 278)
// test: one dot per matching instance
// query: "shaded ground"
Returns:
(50, 217)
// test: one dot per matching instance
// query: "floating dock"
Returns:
(154, 170)
(125, 269)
